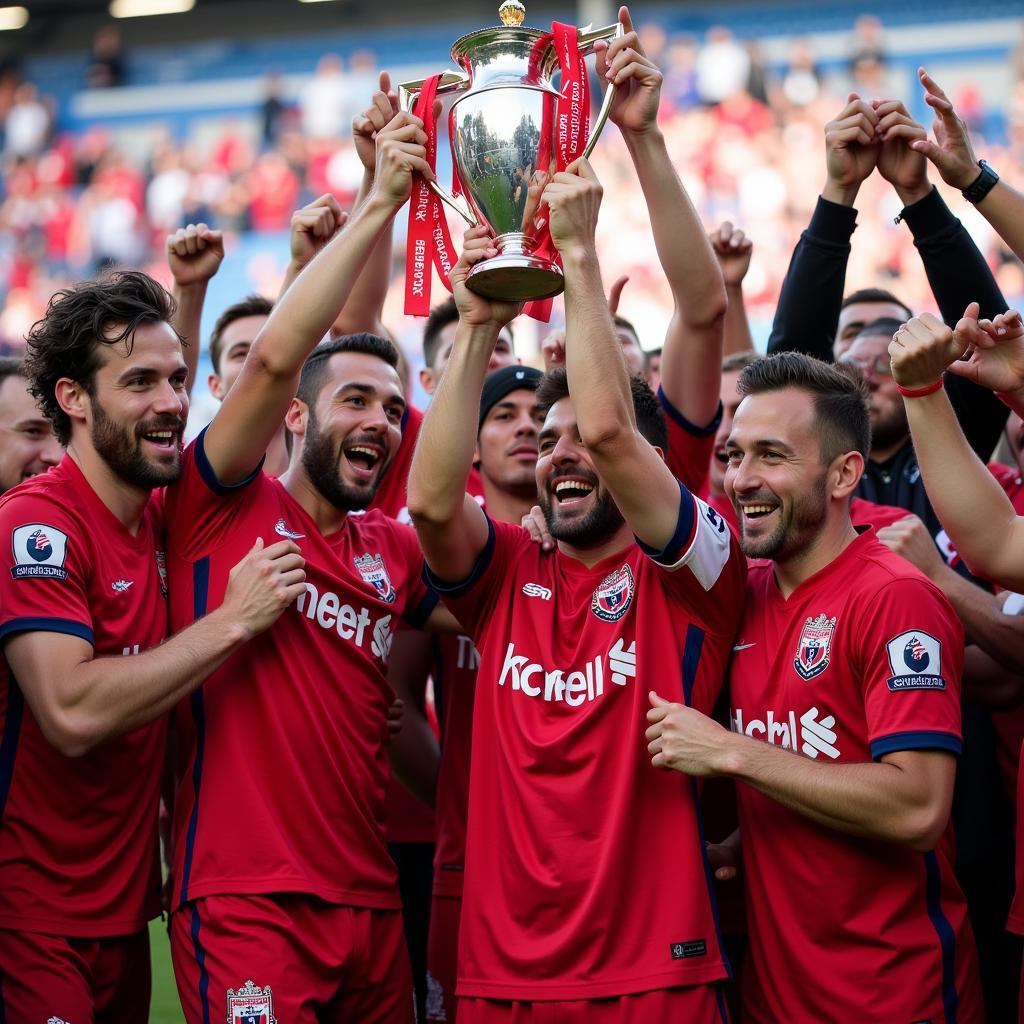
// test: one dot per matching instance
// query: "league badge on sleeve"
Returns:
(613, 595)
(39, 551)
(814, 647)
(250, 1005)
(915, 659)
(375, 572)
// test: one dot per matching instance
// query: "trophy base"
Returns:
(515, 277)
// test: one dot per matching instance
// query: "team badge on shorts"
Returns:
(915, 659)
(614, 595)
(812, 651)
(250, 1005)
(39, 551)
(375, 572)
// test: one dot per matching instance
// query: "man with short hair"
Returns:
(87, 678)
(27, 444)
(643, 585)
(294, 912)
(844, 690)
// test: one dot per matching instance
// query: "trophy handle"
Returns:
(450, 81)
(587, 37)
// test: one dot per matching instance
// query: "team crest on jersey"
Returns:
(250, 1005)
(375, 572)
(614, 595)
(812, 652)
(915, 659)
(39, 551)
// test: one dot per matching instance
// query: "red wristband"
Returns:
(930, 389)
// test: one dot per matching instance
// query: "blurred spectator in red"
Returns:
(273, 193)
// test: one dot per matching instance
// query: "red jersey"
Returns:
(454, 661)
(689, 446)
(863, 659)
(284, 744)
(585, 868)
(78, 836)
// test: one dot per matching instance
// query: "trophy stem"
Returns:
(516, 274)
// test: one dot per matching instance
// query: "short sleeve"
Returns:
(199, 510)
(420, 598)
(702, 565)
(689, 445)
(472, 600)
(912, 661)
(47, 568)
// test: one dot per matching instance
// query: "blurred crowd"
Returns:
(746, 138)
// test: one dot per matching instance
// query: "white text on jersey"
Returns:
(573, 687)
(816, 735)
(351, 624)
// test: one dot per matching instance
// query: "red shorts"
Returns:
(308, 962)
(79, 980)
(698, 1004)
(442, 958)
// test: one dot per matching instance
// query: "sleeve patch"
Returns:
(708, 552)
(915, 659)
(39, 552)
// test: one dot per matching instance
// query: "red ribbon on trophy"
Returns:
(566, 123)
(428, 239)
(571, 130)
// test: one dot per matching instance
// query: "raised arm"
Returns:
(807, 314)
(691, 360)
(971, 505)
(644, 489)
(194, 254)
(957, 271)
(80, 701)
(733, 250)
(254, 408)
(451, 526)
(953, 156)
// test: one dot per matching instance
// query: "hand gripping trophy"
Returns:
(510, 130)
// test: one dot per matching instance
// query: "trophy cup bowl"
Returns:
(495, 129)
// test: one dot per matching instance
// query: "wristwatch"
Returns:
(982, 184)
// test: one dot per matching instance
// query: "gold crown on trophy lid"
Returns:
(512, 13)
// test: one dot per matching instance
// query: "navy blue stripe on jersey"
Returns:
(947, 937)
(209, 477)
(204, 976)
(722, 1009)
(200, 597)
(449, 589)
(916, 740)
(40, 624)
(682, 538)
(677, 417)
(9, 739)
(419, 615)
(691, 660)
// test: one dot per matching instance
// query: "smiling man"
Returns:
(281, 874)
(82, 588)
(27, 444)
(643, 587)
(844, 688)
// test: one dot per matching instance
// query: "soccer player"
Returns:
(27, 444)
(86, 679)
(506, 445)
(569, 643)
(844, 686)
(284, 898)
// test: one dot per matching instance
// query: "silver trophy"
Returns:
(495, 128)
